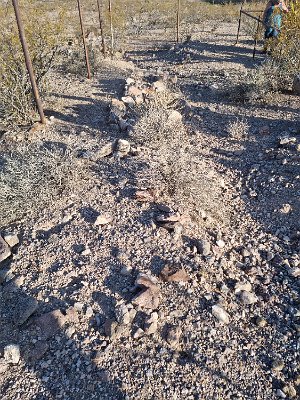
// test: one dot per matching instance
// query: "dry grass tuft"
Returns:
(33, 177)
(238, 129)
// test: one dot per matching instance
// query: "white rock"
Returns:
(103, 219)
(220, 243)
(219, 313)
(295, 272)
(248, 297)
(138, 333)
(11, 240)
(130, 81)
(174, 117)
(12, 353)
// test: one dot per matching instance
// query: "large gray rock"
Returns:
(296, 84)
(4, 250)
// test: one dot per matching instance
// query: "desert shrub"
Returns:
(32, 177)
(238, 129)
(44, 38)
(285, 53)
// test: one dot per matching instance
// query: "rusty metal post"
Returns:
(239, 26)
(28, 61)
(178, 21)
(101, 28)
(111, 25)
(256, 36)
(87, 61)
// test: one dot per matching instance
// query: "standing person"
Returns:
(272, 20)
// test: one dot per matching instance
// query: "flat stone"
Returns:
(146, 299)
(248, 298)
(169, 275)
(103, 219)
(50, 323)
(12, 353)
(4, 250)
(25, 307)
(37, 351)
(12, 240)
(221, 315)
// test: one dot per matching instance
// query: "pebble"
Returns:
(277, 365)
(248, 297)
(103, 219)
(11, 240)
(221, 315)
(261, 322)
(12, 353)
(173, 336)
(4, 250)
(220, 243)
(138, 333)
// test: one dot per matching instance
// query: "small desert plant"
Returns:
(238, 129)
(16, 100)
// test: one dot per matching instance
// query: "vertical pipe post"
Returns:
(178, 22)
(239, 26)
(256, 36)
(101, 28)
(111, 26)
(28, 61)
(87, 61)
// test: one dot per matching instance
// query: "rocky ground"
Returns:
(165, 262)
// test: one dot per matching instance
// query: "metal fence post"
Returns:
(28, 61)
(111, 26)
(101, 28)
(178, 21)
(84, 43)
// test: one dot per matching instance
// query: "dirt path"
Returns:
(241, 253)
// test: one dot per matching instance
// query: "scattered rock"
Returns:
(37, 351)
(168, 274)
(294, 272)
(151, 324)
(221, 315)
(138, 333)
(148, 295)
(12, 354)
(125, 314)
(129, 101)
(242, 286)
(11, 240)
(123, 147)
(174, 117)
(159, 86)
(203, 246)
(50, 323)
(248, 297)
(25, 307)
(220, 243)
(107, 150)
(103, 219)
(145, 196)
(261, 322)
(4, 250)
(173, 336)
(296, 84)
(285, 209)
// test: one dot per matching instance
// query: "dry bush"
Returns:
(286, 53)
(44, 38)
(32, 177)
(238, 129)
(182, 170)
